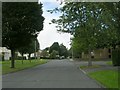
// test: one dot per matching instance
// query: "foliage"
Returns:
(20, 23)
(20, 58)
(93, 25)
(63, 51)
(47, 49)
(116, 57)
(54, 54)
(30, 48)
(55, 46)
(44, 53)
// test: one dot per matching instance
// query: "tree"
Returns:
(90, 16)
(44, 53)
(54, 54)
(55, 46)
(20, 22)
(47, 49)
(30, 48)
(91, 24)
(70, 52)
(63, 51)
(114, 10)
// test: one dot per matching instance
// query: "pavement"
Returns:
(54, 74)
(102, 66)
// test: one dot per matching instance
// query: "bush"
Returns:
(116, 57)
(19, 58)
(32, 57)
(49, 58)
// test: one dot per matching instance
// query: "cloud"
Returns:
(49, 35)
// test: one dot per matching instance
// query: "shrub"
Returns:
(20, 58)
(33, 57)
(116, 57)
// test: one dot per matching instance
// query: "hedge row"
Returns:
(19, 58)
(116, 57)
(49, 58)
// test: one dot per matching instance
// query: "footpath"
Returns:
(102, 65)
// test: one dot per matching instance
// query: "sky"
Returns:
(49, 34)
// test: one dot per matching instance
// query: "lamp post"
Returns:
(72, 51)
(35, 48)
(39, 51)
(72, 47)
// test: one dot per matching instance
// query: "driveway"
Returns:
(54, 74)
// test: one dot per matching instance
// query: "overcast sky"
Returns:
(49, 34)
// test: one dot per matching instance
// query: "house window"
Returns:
(109, 56)
(109, 50)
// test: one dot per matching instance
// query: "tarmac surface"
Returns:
(54, 74)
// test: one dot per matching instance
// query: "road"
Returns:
(54, 74)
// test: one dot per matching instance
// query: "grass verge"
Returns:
(109, 63)
(108, 78)
(87, 67)
(19, 66)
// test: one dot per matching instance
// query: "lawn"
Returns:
(109, 78)
(109, 63)
(19, 66)
(87, 67)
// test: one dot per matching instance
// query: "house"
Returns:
(99, 54)
(5, 53)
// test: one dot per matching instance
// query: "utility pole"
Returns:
(71, 46)
(39, 51)
(72, 50)
(35, 49)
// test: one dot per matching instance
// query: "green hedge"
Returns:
(116, 57)
(19, 58)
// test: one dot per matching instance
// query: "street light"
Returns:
(35, 48)
(72, 46)
(72, 50)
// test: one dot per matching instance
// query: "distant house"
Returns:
(38, 54)
(5, 53)
(99, 54)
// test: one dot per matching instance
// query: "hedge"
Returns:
(116, 57)
(19, 58)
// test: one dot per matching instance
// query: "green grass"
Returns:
(19, 66)
(109, 63)
(87, 67)
(109, 78)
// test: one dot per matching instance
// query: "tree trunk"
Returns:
(22, 58)
(90, 60)
(12, 58)
(3, 57)
(29, 57)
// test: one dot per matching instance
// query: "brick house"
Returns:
(99, 54)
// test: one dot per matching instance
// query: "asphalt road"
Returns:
(54, 74)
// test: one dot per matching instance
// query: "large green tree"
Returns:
(55, 46)
(20, 22)
(63, 51)
(33, 47)
(93, 25)
(54, 54)
(45, 52)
